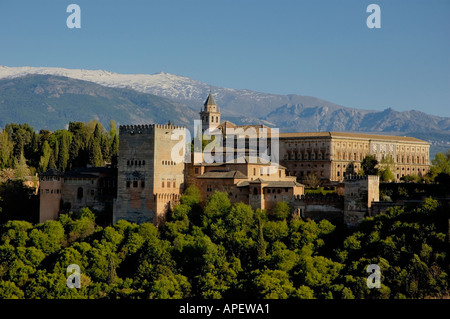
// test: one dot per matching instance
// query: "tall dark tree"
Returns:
(369, 164)
(78, 150)
(95, 153)
(114, 150)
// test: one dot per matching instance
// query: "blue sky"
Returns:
(319, 48)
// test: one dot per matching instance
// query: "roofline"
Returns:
(351, 135)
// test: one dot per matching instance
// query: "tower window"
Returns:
(80, 193)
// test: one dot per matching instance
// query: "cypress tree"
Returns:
(114, 150)
(95, 153)
(63, 154)
(51, 161)
(46, 153)
(261, 244)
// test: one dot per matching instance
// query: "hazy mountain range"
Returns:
(52, 97)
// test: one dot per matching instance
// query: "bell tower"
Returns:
(210, 114)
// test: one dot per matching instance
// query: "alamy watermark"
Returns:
(238, 145)
(74, 279)
(374, 280)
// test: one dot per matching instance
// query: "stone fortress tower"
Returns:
(360, 193)
(149, 182)
(50, 190)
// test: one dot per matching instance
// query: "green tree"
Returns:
(273, 284)
(64, 139)
(6, 150)
(95, 153)
(21, 168)
(114, 150)
(441, 164)
(369, 165)
(112, 130)
(78, 149)
(45, 158)
(312, 181)
(281, 211)
(386, 168)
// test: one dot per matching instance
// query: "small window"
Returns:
(80, 193)
(128, 184)
(142, 184)
(135, 184)
(196, 170)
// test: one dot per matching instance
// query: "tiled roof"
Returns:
(210, 100)
(51, 172)
(223, 174)
(352, 135)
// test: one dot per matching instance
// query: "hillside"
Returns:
(51, 102)
(156, 95)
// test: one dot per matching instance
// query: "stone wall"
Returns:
(360, 193)
(149, 181)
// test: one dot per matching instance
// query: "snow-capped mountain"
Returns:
(179, 88)
(167, 85)
(294, 113)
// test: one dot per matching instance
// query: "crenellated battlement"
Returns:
(318, 198)
(168, 127)
(353, 178)
(146, 128)
(136, 129)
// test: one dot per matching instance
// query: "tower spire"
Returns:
(210, 115)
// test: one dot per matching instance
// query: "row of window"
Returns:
(305, 144)
(412, 159)
(276, 190)
(168, 163)
(306, 173)
(350, 157)
(213, 119)
(309, 165)
(304, 156)
(52, 191)
(135, 162)
(136, 184)
(167, 183)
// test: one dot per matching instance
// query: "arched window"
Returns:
(80, 193)
(255, 191)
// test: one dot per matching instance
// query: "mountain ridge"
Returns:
(294, 113)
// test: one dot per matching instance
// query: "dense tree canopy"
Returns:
(228, 251)
(26, 152)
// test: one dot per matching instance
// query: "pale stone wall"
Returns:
(333, 156)
(149, 181)
(49, 198)
(360, 192)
